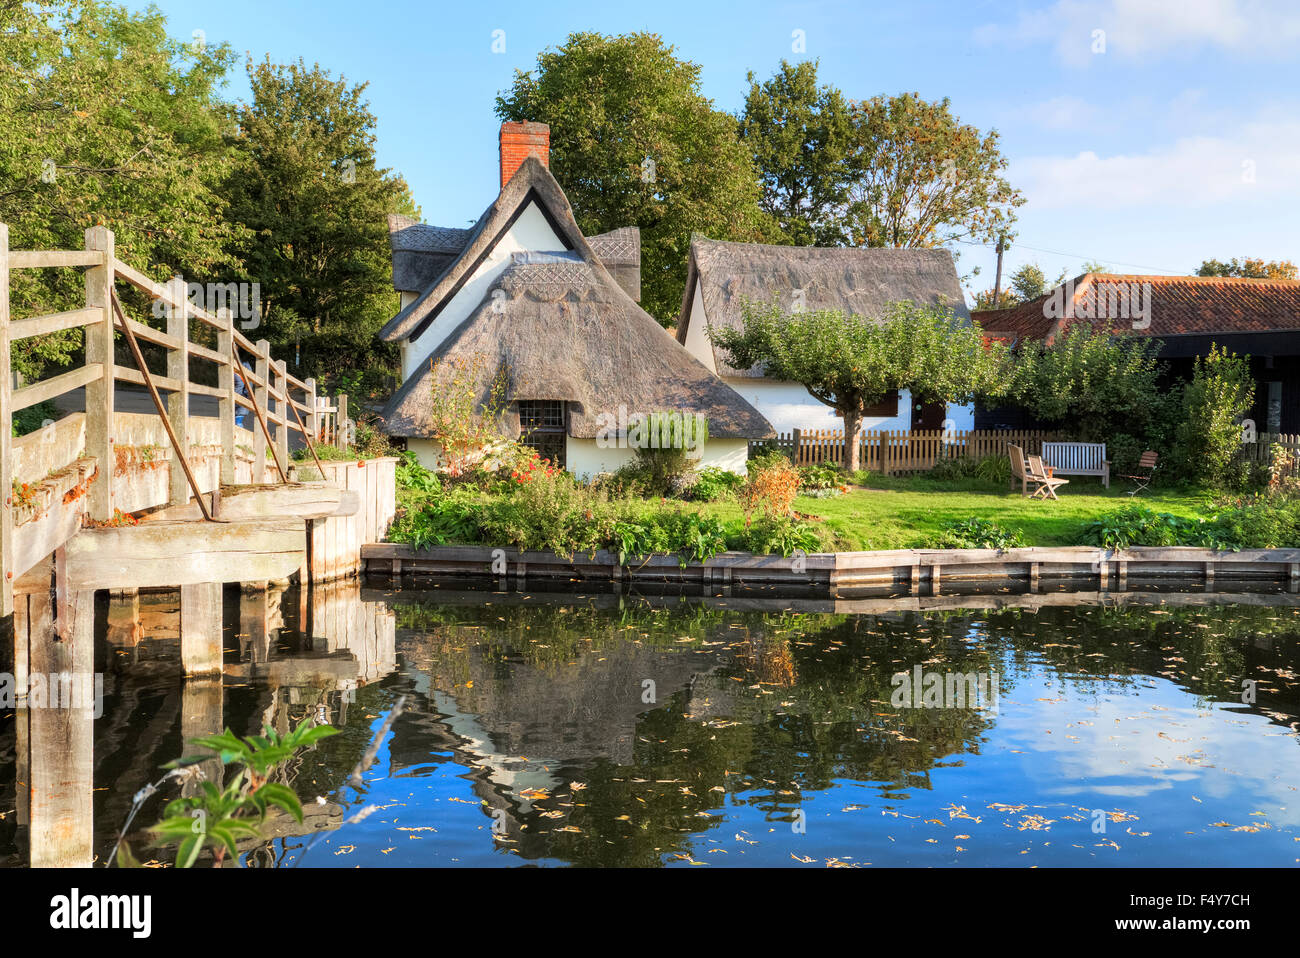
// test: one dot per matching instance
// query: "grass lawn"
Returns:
(903, 513)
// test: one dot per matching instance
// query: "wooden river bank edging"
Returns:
(840, 571)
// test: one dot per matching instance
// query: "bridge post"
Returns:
(226, 403)
(261, 369)
(282, 432)
(61, 735)
(313, 417)
(6, 431)
(178, 402)
(341, 420)
(201, 623)
(99, 394)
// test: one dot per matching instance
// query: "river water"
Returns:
(1144, 729)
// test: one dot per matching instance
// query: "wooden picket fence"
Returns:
(1261, 450)
(895, 452)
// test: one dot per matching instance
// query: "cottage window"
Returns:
(542, 426)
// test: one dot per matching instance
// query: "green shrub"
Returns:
(415, 477)
(781, 535)
(552, 513)
(978, 534)
(668, 446)
(1137, 526)
(712, 484)
(692, 536)
(33, 417)
(447, 519)
(765, 460)
(1220, 393)
(823, 475)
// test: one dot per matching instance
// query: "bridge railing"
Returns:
(286, 403)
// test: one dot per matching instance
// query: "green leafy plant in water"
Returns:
(218, 816)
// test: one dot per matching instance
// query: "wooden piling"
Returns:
(201, 622)
(61, 736)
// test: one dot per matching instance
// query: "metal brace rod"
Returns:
(158, 403)
(257, 410)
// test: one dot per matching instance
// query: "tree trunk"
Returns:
(853, 440)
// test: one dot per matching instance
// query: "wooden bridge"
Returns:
(101, 498)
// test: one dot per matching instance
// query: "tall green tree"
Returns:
(800, 136)
(1249, 268)
(1220, 393)
(315, 202)
(635, 143)
(851, 363)
(922, 178)
(105, 120)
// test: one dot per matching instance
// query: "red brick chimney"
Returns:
(521, 140)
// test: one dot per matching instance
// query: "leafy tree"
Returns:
(850, 363)
(106, 120)
(800, 136)
(1095, 266)
(1006, 298)
(635, 143)
(1091, 383)
(1249, 268)
(1029, 282)
(921, 178)
(308, 188)
(1219, 394)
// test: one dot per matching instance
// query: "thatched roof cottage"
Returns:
(525, 296)
(721, 276)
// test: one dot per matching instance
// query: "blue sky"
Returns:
(1178, 141)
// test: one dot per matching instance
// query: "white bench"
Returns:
(1078, 459)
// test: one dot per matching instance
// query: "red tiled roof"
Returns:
(1179, 305)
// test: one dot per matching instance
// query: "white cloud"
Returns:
(1138, 29)
(1259, 162)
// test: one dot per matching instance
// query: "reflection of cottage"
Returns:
(859, 282)
(524, 295)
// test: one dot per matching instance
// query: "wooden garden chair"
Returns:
(1018, 470)
(1148, 463)
(1047, 485)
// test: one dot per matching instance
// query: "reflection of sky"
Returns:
(1145, 748)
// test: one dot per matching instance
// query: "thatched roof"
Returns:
(857, 281)
(562, 329)
(421, 253)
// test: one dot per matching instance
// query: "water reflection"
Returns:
(656, 730)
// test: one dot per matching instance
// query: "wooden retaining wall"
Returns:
(334, 545)
(833, 573)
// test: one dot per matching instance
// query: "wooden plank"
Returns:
(305, 501)
(99, 392)
(168, 554)
(38, 259)
(56, 386)
(131, 375)
(53, 323)
(201, 628)
(178, 403)
(261, 367)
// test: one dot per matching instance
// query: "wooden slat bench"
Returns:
(1078, 459)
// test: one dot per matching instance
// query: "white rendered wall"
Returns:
(585, 458)
(697, 333)
(529, 232)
